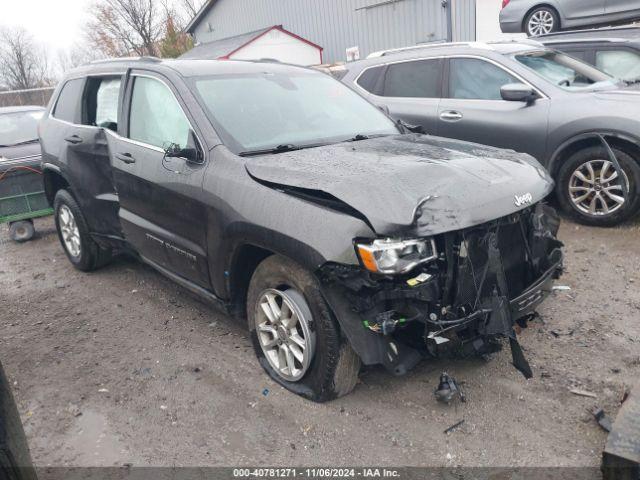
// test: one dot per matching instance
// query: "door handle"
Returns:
(73, 139)
(451, 116)
(125, 157)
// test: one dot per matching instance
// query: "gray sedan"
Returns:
(537, 17)
(523, 96)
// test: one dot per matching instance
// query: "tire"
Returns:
(333, 368)
(21, 231)
(83, 252)
(596, 156)
(540, 21)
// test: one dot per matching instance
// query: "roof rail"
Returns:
(384, 53)
(126, 59)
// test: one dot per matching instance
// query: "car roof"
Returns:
(186, 67)
(489, 50)
(25, 108)
(605, 35)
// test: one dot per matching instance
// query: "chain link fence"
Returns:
(32, 96)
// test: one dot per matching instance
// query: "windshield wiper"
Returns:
(285, 147)
(359, 137)
(635, 81)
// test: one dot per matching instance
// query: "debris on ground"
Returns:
(454, 426)
(448, 388)
(583, 393)
(603, 420)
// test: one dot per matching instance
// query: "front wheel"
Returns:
(82, 251)
(294, 334)
(590, 189)
(541, 21)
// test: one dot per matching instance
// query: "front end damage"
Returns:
(482, 282)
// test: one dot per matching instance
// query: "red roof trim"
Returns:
(275, 27)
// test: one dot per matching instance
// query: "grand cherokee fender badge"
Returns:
(525, 199)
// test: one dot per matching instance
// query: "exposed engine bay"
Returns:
(482, 282)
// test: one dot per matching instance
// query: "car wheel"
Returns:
(541, 21)
(21, 231)
(82, 251)
(295, 336)
(590, 190)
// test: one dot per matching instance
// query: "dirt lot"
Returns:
(122, 366)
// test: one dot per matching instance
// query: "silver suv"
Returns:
(581, 124)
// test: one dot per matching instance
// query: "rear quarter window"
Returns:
(369, 78)
(67, 105)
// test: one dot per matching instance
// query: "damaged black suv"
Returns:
(282, 195)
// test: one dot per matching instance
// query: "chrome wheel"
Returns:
(541, 23)
(282, 326)
(595, 188)
(69, 231)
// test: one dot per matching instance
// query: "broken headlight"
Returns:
(392, 257)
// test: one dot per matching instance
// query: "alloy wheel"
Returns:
(541, 23)
(283, 328)
(69, 230)
(595, 188)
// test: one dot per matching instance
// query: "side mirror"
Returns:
(191, 153)
(518, 92)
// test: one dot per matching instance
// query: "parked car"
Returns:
(522, 96)
(615, 51)
(15, 459)
(21, 193)
(278, 193)
(536, 17)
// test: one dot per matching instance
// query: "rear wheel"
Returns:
(295, 336)
(541, 21)
(590, 189)
(82, 251)
(21, 231)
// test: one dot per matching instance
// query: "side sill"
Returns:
(203, 293)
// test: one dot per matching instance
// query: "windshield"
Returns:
(20, 127)
(565, 71)
(261, 111)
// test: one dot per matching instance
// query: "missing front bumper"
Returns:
(488, 279)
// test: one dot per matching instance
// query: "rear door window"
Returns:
(623, 64)
(102, 99)
(416, 79)
(369, 79)
(474, 79)
(69, 100)
(156, 118)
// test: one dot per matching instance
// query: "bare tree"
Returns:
(23, 63)
(125, 27)
(191, 7)
(76, 55)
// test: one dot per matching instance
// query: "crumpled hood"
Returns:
(418, 183)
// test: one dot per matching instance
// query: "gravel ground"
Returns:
(122, 366)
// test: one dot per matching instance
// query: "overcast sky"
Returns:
(57, 24)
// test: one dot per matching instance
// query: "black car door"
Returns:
(161, 211)
(73, 142)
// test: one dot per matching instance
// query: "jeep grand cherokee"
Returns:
(281, 194)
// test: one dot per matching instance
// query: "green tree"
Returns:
(175, 42)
